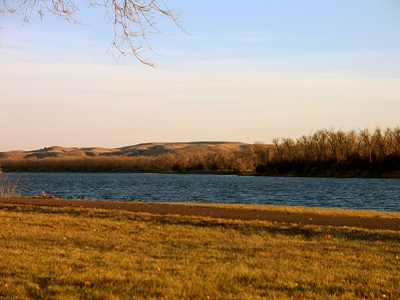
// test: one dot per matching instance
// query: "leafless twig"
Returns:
(133, 20)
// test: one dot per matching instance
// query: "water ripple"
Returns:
(376, 194)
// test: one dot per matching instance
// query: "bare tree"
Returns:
(396, 141)
(261, 152)
(133, 20)
(290, 149)
(379, 143)
(319, 140)
(332, 139)
(305, 143)
(365, 144)
(279, 151)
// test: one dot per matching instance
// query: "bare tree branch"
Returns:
(133, 20)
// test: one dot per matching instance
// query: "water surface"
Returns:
(353, 193)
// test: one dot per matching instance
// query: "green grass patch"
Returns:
(66, 253)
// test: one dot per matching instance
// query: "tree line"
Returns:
(327, 152)
(179, 162)
(337, 153)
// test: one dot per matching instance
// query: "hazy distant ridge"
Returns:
(143, 149)
(326, 153)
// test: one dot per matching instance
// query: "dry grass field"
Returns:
(77, 253)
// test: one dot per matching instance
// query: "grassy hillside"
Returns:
(149, 157)
(145, 149)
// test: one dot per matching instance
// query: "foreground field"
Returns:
(79, 253)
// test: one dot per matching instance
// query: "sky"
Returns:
(240, 71)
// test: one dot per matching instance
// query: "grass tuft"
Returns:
(8, 186)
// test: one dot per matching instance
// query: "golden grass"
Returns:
(8, 186)
(300, 209)
(65, 253)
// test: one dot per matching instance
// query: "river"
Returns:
(349, 193)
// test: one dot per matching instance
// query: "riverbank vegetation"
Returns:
(324, 153)
(66, 253)
(8, 186)
(337, 153)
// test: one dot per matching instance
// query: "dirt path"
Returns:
(215, 212)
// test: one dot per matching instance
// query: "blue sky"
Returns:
(243, 71)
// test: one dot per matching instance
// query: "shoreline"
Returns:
(191, 209)
(344, 175)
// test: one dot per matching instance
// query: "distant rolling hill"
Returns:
(145, 149)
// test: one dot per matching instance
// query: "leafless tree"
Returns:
(133, 20)
(305, 145)
(365, 144)
(279, 151)
(396, 140)
(261, 152)
(348, 144)
(290, 148)
(380, 145)
(319, 141)
(332, 140)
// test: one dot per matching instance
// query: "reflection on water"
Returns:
(376, 194)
